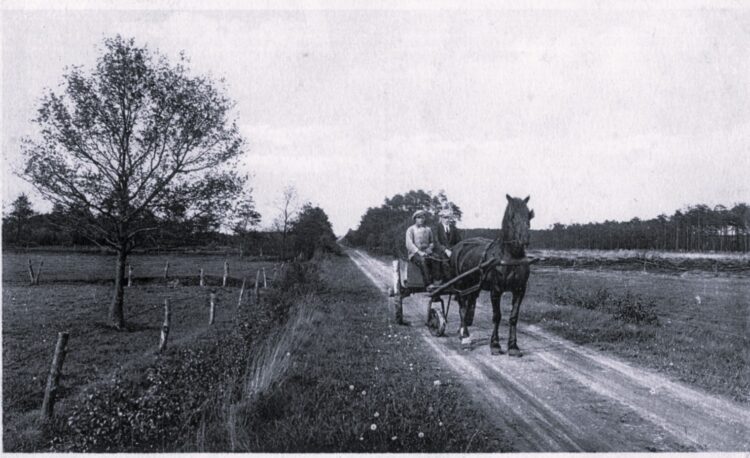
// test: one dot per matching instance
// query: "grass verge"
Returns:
(341, 378)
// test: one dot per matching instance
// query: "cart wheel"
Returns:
(436, 322)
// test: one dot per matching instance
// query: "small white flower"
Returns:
(440, 424)
(436, 383)
(361, 438)
(421, 434)
(373, 427)
(364, 392)
(351, 387)
(377, 414)
(394, 438)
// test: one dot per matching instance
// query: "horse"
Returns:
(509, 272)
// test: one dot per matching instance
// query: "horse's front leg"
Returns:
(513, 349)
(463, 310)
(495, 347)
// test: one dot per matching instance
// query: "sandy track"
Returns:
(564, 397)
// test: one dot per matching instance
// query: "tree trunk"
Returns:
(116, 316)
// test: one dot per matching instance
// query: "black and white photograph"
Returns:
(375, 227)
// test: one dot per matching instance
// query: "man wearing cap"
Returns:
(447, 237)
(419, 244)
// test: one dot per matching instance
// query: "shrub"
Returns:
(632, 308)
(629, 307)
(147, 413)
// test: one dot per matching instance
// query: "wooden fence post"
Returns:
(48, 405)
(202, 281)
(257, 286)
(242, 291)
(165, 327)
(212, 310)
(226, 274)
(130, 275)
(34, 277)
(38, 272)
(166, 270)
(265, 282)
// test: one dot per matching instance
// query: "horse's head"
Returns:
(516, 225)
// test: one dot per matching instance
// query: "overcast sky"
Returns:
(597, 113)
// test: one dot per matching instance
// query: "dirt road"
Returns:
(562, 397)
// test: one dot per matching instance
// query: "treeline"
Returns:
(382, 229)
(309, 230)
(695, 228)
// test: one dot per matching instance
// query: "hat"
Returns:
(446, 213)
(419, 213)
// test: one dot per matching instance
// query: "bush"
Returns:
(148, 413)
(632, 308)
(629, 308)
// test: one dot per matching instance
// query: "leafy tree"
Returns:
(382, 228)
(19, 216)
(313, 232)
(121, 140)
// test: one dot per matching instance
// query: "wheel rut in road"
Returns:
(565, 397)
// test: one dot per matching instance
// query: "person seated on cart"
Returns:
(419, 244)
(447, 237)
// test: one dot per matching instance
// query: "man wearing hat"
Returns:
(447, 237)
(419, 244)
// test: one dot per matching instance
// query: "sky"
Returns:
(595, 111)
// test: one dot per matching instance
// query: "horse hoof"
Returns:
(496, 350)
(515, 352)
(466, 341)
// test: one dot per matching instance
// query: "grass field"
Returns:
(73, 296)
(700, 335)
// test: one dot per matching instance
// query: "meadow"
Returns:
(73, 296)
(692, 326)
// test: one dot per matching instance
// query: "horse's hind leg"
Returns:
(495, 348)
(513, 349)
(471, 307)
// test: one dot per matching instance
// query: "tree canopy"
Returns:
(382, 228)
(313, 232)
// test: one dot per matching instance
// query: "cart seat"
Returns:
(411, 276)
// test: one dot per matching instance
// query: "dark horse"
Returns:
(510, 273)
